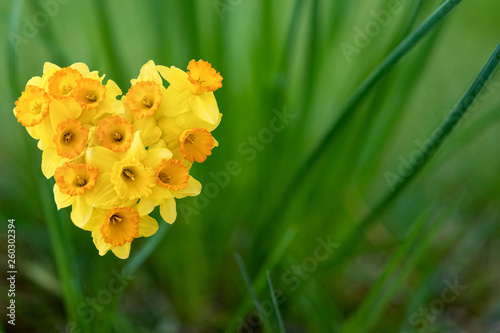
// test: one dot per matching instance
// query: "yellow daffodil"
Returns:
(106, 100)
(144, 98)
(115, 133)
(115, 160)
(126, 174)
(74, 186)
(62, 83)
(196, 144)
(190, 135)
(145, 102)
(203, 77)
(32, 107)
(116, 228)
(61, 137)
(89, 93)
(172, 181)
(192, 90)
(70, 138)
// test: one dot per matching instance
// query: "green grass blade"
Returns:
(379, 72)
(276, 306)
(445, 129)
(251, 289)
(437, 139)
(366, 86)
(402, 263)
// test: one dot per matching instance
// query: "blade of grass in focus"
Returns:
(281, 325)
(349, 108)
(347, 111)
(436, 140)
(271, 261)
(251, 290)
(402, 263)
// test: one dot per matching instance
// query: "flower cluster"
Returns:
(115, 159)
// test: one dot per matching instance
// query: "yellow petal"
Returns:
(146, 206)
(112, 89)
(62, 200)
(147, 226)
(149, 73)
(81, 212)
(175, 76)
(99, 242)
(50, 161)
(168, 210)
(137, 149)
(50, 67)
(101, 158)
(154, 137)
(45, 131)
(193, 189)
(157, 197)
(159, 144)
(123, 251)
(95, 220)
(155, 156)
(94, 75)
(191, 119)
(35, 81)
(175, 102)
(205, 107)
(60, 111)
(81, 67)
(146, 126)
(48, 70)
(178, 156)
(33, 132)
(104, 194)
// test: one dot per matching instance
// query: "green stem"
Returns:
(434, 142)
(276, 305)
(251, 290)
(382, 69)
(447, 126)
(350, 107)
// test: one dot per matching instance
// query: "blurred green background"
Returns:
(277, 57)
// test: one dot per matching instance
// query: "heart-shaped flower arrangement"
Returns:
(115, 160)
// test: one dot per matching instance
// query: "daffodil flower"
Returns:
(145, 102)
(192, 90)
(172, 181)
(126, 174)
(115, 160)
(115, 133)
(32, 107)
(190, 134)
(116, 228)
(75, 184)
